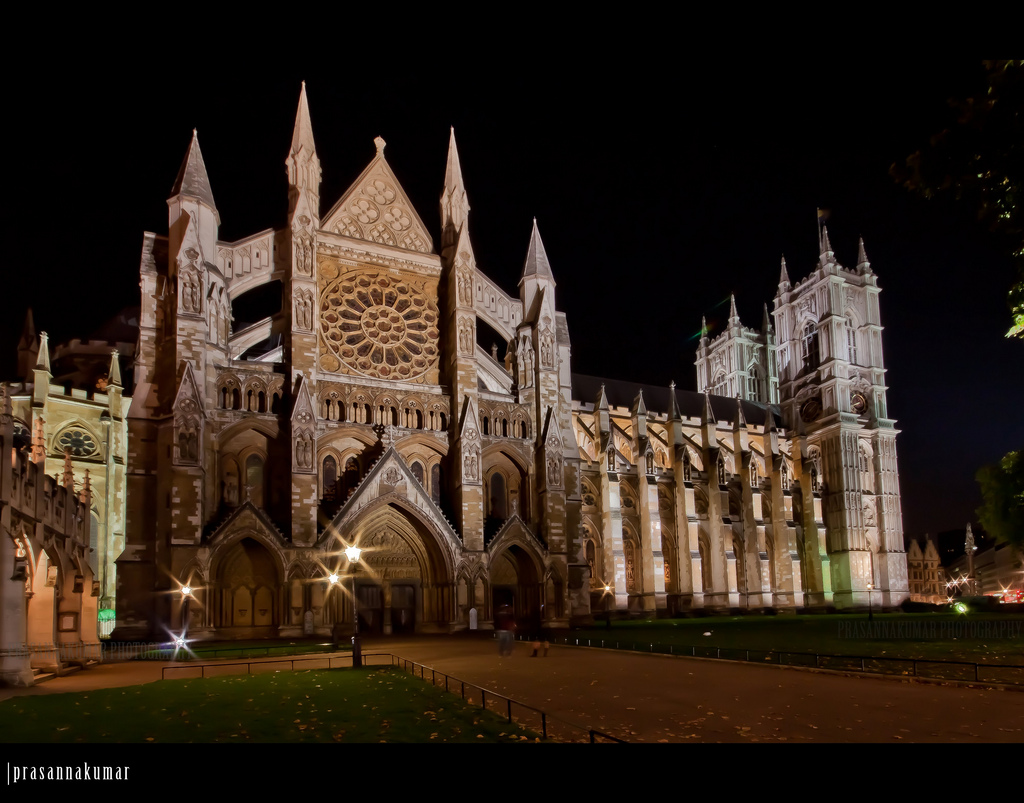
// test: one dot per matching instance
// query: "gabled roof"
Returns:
(690, 403)
(377, 209)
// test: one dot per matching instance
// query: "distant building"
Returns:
(998, 567)
(926, 575)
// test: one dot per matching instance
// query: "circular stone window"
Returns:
(379, 326)
(76, 441)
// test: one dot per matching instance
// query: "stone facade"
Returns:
(49, 588)
(365, 412)
(86, 425)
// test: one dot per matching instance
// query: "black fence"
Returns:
(930, 668)
(526, 716)
(164, 652)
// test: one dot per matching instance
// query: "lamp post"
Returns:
(870, 605)
(186, 595)
(352, 553)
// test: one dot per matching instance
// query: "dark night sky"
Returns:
(659, 188)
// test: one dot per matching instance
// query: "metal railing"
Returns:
(526, 716)
(170, 653)
(928, 668)
(187, 669)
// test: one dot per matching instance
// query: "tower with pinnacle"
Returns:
(739, 361)
(832, 385)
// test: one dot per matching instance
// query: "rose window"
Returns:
(379, 326)
(77, 441)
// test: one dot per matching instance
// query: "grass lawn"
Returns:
(341, 705)
(978, 638)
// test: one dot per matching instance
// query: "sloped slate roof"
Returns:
(691, 403)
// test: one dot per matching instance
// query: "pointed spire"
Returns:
(863, 265)
(703, 330)
(43, 360)
(827, 255)
(673, 403)
(771, 436)
(85, 494)
(453, 181)
(766, 321)
(639, 408)
(454, 200)
(193, 179)
(302, 134)
(602, 399)
(537, 263)
(741, 421)
(734, 316)
(707, 415)
(740, 437)
(68, 480)
(114, 374)
(708, 424)
(784, 276)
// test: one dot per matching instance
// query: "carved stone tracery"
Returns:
(377, 325)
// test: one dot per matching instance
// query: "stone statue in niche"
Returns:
(465, 287)
(547, 356)
(527, 352)
(188, 445)
(554, 470)
(465, 336)
(304, 451)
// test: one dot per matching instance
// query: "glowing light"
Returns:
(960, 608)
(333, 578)
(1011, 595)
(186, 591)
(353, 553)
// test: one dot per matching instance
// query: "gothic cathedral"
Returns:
(476, 485)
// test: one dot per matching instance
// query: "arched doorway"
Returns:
(402, 581)
(249, 589)
(516, 588)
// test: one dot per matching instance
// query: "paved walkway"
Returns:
(654, 698)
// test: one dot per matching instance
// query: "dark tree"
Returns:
(979, 158)
(1002, 494)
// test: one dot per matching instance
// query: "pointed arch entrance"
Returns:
(517, 589)
(403, 581)
(248, 600)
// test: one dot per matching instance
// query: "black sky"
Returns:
(659, 187)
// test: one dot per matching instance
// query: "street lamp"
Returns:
(870, 605)
(352, 553)
(186, 595)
